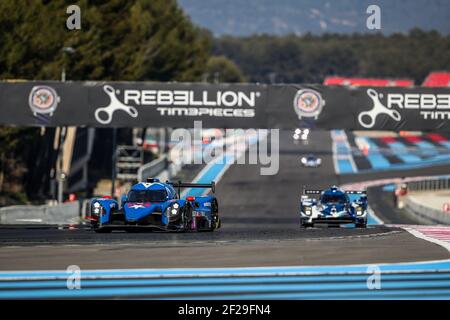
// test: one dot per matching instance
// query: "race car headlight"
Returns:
(172, 211)
(303, 160)
(359, 211)
(96, 208)
(176, 205)
(308, 211)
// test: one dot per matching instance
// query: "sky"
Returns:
(246, 17)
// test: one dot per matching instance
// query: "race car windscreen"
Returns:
(334, 198)
(147, 196)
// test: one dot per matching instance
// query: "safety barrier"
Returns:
(430, 184)
(425, 213)
(423, 280)
(61, 214)
(181, 154)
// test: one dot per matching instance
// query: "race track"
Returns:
(260, 228)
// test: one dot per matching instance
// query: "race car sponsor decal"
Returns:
(139, 205)
(147, 184)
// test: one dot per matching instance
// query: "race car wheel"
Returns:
(219, 223)
(216, 224)
(305, 225)
(361, 225)
(186, 218)
(215, 206)
(103, 230)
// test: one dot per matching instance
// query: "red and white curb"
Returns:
(438, 234)
(363, 185)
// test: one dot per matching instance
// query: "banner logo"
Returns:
(43, 100)
(104, 115)
(377, 109)
(308, 103)
(189, 103)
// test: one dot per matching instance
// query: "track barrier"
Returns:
(423, 280)
(428, 213)
(61, 214)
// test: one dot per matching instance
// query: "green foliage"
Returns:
(119, 40)
(222, 69)
(309, 59)
(15, 138)
(14, 150)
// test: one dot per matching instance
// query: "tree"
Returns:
(222, 69)
(119, 40)
(14, 150)
(310, 58)
(132, 40)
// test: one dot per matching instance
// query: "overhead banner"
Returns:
(363, 108)
(148, 104)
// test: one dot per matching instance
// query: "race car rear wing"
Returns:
(315, 192)
(179, 185)
(356, 192)
(312, 191)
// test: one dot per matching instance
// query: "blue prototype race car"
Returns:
(334, 206)
(157, 205)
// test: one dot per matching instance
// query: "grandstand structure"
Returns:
(437, 79)
(433, 80)
(367, 82)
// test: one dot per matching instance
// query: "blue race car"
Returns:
(334, 206)
(157, 205)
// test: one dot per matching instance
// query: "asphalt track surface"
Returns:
(260, 227)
